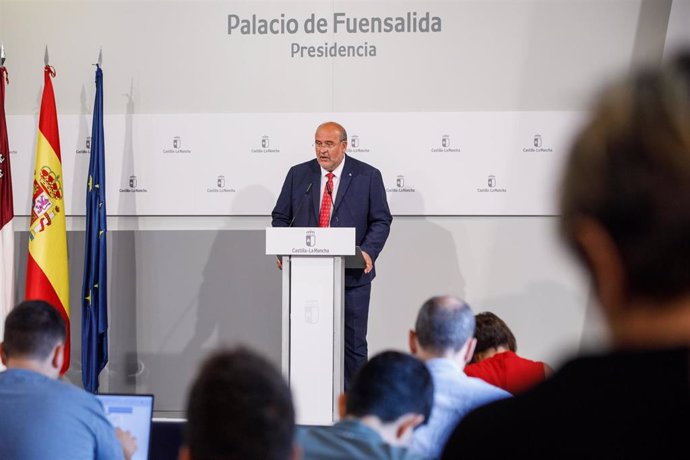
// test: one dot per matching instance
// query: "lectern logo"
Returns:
(177, 142)
(400, 181)
(491, 182)
(311, 312)
(221, 181)
(88, 143)
(445, 141)
(537, 140)
(265, 142)
(311, 238)
(132, 181)
(354, 142)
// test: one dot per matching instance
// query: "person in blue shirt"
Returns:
(40, 416)
(390, 396)
(444, 339)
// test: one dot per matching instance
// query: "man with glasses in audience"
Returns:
(336, 190)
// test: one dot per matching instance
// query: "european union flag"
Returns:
(94, 322)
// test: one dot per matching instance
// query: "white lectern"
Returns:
(313, 309)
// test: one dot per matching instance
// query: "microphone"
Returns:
(330, 193)
(301, 203)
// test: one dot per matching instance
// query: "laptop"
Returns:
(133, 413)
(167, 436)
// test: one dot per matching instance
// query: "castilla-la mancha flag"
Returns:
(6, 215)
(46, 272)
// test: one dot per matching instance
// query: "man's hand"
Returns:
(367, 260)
(279, 263)
(128, 443)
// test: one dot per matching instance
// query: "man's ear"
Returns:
(3, 356)
(57, 358)
(342, 405)
(406, 425)
(604, 261)
(412, 341)
(469, 350)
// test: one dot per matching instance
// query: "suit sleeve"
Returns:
(282, 212)
(379, 218)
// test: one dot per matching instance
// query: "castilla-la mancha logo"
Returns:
(310, 239)
(265, 143)
(445, 146)
(355, 145)
(401, 186)
(177, 146)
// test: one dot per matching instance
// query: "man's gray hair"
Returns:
(443, 323)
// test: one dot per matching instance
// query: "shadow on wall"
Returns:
(419, 261)
(197, 290)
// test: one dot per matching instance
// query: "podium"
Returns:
(313, 306)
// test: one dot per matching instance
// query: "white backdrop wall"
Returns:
(186, 265)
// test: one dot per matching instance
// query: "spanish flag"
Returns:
(46, 274)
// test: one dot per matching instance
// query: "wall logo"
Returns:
(219, 186)
(445, 146)
(265, 143)
(537, 145)
(355, 145)
(400, 186)
(87, 147)
(177, 146)
(133, 186)
(491, 186)
(310, 238)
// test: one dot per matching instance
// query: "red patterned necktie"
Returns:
(326, 203)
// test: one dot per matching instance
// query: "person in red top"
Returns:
(495, 359)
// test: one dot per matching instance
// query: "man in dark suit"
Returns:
(335, 190)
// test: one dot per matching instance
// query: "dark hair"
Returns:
(444, 322)
(389, 385)
(32, 329)
(492, 332)
(629, 170)
(239, 408)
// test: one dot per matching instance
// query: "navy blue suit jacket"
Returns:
(360, 202)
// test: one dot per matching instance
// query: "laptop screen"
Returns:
(133, 413)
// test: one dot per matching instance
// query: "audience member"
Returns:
(239, 408)
(625, 209)
(443, 340)
(390, 396)
(41, 417)
(496, 360)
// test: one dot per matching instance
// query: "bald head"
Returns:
(444, 323)
(332, 125)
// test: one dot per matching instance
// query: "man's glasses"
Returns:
(318, 145)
